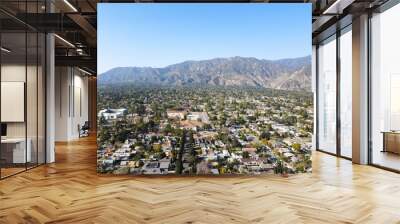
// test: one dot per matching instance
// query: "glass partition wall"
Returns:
(334, 94)
(13, 86)
(22, 98)
(345, 89)
(327, 95)
(385, 89)
(334, 108)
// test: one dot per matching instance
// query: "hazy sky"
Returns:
(158, 35)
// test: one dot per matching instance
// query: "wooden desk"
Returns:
(391, 141)
(13, 150)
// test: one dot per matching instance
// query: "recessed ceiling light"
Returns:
(5, 50)
(338, 6)
(84, 71)
(64, 40)
(70, 5)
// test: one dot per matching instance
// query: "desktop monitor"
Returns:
(3, 129)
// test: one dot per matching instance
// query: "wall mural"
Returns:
(204, 89)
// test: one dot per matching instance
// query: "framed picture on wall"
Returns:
(204, 89)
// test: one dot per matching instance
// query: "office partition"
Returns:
(22, 78)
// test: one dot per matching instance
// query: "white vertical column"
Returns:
(50, 92)
(360, 90)
(314, 90)
(50, 98)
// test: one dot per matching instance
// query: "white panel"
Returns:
(12, 101)
(77, 102)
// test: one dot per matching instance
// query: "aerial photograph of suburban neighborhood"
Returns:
(193, 106)
(207, 129)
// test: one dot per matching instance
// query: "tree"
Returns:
(102, 121)
(179, 165)
(138, 156)
(290, 120)
(240, 120)
(140, 109)
(252, 118)
(296, 146)
(104, 135)
(222, 136)
(265, 135)
(157, 148)
(207, 126)
(303, 113)
(168, 129)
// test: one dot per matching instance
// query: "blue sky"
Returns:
(158, 35)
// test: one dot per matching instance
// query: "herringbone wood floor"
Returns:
(70, 191)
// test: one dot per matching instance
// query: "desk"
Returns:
(391, 141)
(13, 150)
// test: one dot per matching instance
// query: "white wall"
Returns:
(9, 73)
(80, 104)
(17, 73)
(62, 82)
(71, 102)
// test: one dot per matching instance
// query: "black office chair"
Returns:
(84, 130)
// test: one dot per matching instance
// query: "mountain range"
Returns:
(286, 74)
